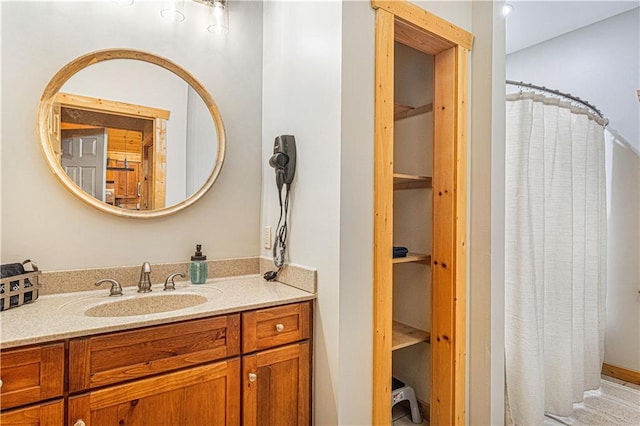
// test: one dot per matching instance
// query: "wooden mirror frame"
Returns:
(48, 122)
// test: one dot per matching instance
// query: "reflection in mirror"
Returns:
(131, 133)
(134, 135)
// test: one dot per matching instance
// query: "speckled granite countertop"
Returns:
(61, 316)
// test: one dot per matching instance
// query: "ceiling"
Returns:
(532, 22)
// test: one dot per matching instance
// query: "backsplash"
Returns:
(296, 276)
(67, 281)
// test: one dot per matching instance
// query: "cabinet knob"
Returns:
(253, 377)
(279, 328)
(0, 383)
(79, 422)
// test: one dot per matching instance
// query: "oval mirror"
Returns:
(131, 133)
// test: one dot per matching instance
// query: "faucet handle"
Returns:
(116, 288)
(169, 284)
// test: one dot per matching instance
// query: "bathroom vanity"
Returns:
(242, 357)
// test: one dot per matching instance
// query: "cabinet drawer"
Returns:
(48, 414)
(265, 328)
(31, 375)
(116, 357)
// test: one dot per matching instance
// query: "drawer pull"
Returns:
(253, 377)
(79, 422)
(0, 383)
(279, 328)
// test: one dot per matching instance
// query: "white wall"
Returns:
(622, 335)
(142, 83)
(43, 221)
(598, 63)
(356, 215)
(486, 218)
(301, 97)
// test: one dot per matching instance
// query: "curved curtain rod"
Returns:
(559, 93)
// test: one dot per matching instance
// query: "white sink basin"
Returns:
(145, 305)
(98, 304)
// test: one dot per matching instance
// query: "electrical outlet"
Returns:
(267, 237)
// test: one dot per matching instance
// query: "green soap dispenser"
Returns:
(198, 269)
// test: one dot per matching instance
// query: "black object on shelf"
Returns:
(399, 251)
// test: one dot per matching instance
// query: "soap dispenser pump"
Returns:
(198, 269)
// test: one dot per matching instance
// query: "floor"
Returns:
(401, 416)
(596, 411)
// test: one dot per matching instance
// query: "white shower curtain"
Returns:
(555, 256)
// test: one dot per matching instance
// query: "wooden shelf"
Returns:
(404, 336)
(405, 111)
(403, 181)
(413, 257)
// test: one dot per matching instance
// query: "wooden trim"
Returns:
(448, 299)
(159, 179)
(416, 38)
(459, 301)
(621, 373)
(383, 217)
(431, 23)
(443, 267)
(47, 145)
(448, 317)
(106, 105)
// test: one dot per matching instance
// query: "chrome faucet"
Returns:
(144, 285)
(116, 288)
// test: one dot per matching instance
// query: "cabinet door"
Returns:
(50, 414)
(31, 375)
(276, 387)
(207, 395)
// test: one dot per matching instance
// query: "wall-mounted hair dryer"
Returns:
(284, 159)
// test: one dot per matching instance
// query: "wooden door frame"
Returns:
(154, 134)
(419, 29)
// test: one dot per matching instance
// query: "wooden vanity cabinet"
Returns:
(276, 380)
(187, 373)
